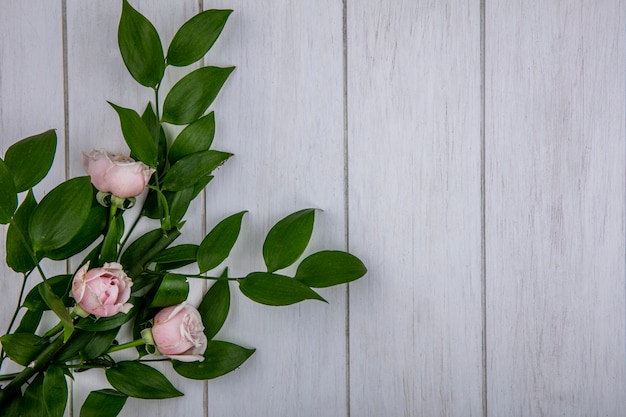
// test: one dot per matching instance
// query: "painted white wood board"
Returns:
(31, 102)
(555, 172)
(415, 207)
(281, 114)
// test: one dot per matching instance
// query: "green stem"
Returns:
(39, 364)
(8, 377)
(132, 227)
(17, 309)
(134, 343)
(195, 276)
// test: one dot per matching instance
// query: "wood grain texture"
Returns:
(415, 207)
(31, 102)
(281, 114)
(555, 208)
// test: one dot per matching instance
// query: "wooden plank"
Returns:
(281, 114)
(31, 102)
(555, 208)
(96, 74)
(415, 207)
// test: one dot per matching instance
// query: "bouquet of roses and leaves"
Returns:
(133, 281)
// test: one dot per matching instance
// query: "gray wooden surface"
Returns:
(471, 153)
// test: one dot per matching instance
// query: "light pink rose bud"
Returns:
(116, 174)
(178, 333)
(103, 292)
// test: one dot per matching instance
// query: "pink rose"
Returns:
(178, 333)
(104, 291)
(116, 174)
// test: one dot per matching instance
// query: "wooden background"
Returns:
(471, 153)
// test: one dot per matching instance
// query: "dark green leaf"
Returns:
(61, 214)
(112, 239)
(217, 245)
(33, 404)
(137, 135)
(8, 194)
(327, 268)
(60, 286)
(140, 381)
(55, 391)
(141, 47)
(135, 252)
(199, 186)
(275, 290)
(155, 128)
(174, 289)
(214, 307)
(94, 226)
(219, 358)
(23, 348)
(196, 137)
(191, 96)
(56, 304)
(103, 403)
(181, 253)
(287, 240)
(196, 37)
(193, 168)
(102, 324)
(99, 344)
(19, 246)
(30, 321)
(12, 407)
(39, 151)
(179, 205)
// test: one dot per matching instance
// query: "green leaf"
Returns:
(56, 304)
(17, 251)
(29, 322)
(93, 227)
(179, 205)
(60, 286)
(219, 358)
(61, 214)
(155, 128)
(135, 252)
(102, 324)
(275, 290)
(103, 403)
(112, 239)
(33, 404)
(174, 289)
(287, 240)
(8, 194)
(193, 94)
(137, 135)
(196, 37)
(214, 307)
(39, 151)
(177, 254)
(217, 245)
(327, 268)
(196, 137)
(98, 344)
(140, 381)
(23, 348)
(55, 391)
(193, 168)
(12, 406)
(140, 47)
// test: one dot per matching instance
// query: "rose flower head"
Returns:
(103, 292)
(178, 333)
(119, 175)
